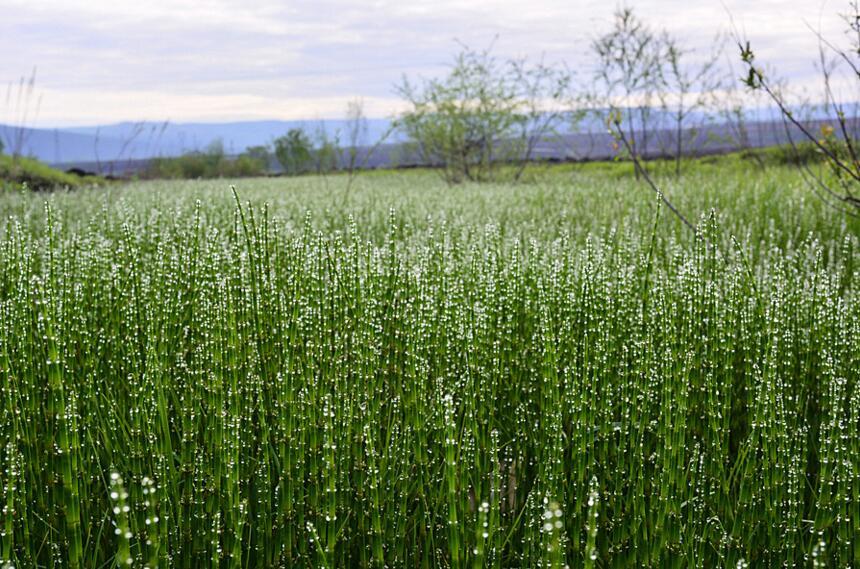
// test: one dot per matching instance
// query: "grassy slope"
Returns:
(37, 176)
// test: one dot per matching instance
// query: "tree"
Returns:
(688, 89)
(484, 114)
(629, 74)
(255, 159)
(542, 107)
(627, 78)
(326, 150)
(294, 152)
(261, 154)
(457, 123)
(356, 156)
(356, 133)
(735, 106)
(837, 138)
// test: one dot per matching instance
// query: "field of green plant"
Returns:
(410, 375)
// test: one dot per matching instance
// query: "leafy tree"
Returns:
(214, 155)
(457, 122)
(261, 154)
(326, 150)
(484, 114)
(244, 166)
(211, 163)
(294, 152)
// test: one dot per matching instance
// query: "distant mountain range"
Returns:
(125, 147)
(136, 141)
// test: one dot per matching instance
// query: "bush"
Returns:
(212, 163)
(294, 152)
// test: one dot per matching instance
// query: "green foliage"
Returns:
(211, 163)
(456, 122)
(514, 376)
(261, 154)
(482, 114)
(294, 151)
(15, 172)
(326, 154)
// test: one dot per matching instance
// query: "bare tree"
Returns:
(96, 142)
(735, 110)
(627, 78)
(153, 139)
(614, 121)
(543, 93)
(688, 91)
(127, 146)
(358, 153)
(837, 139)
(356, 135)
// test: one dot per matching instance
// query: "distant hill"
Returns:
(128, 141)
(135, 141)
(124, 148)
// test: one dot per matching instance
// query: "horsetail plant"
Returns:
(541, 375)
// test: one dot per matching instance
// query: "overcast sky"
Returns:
(103, 61)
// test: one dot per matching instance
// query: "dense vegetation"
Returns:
(411, 375)
(213, 162)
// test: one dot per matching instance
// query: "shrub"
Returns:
(294, 152)
(212, 163)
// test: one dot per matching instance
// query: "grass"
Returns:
(15, 172)
(548, 374)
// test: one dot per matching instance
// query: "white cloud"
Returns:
(99, 107)
(195, 59)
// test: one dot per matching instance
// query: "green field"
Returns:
(410, 375)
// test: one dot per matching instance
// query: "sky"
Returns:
(106, 61)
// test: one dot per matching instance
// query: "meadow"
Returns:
(555, 373)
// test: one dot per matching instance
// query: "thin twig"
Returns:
(647, 177)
